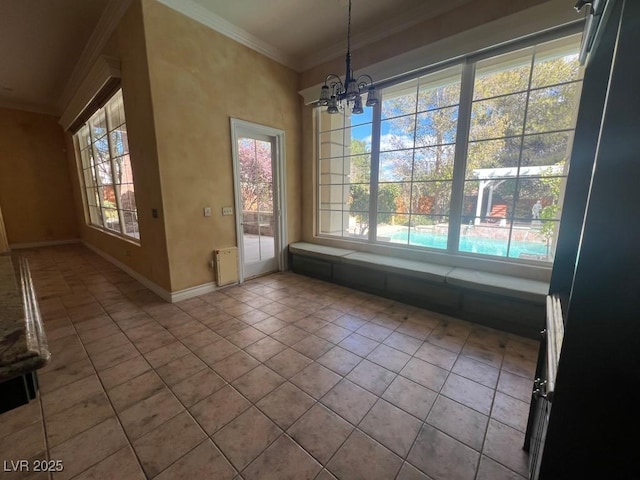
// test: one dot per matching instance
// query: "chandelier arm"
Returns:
(336, 81)
(364, 83)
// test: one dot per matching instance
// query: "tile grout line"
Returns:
(337, 299)
(117, 415)
(104, 391)
(185, 409)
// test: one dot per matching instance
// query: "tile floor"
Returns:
(284, 377)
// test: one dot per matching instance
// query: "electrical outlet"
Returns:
(227, 210)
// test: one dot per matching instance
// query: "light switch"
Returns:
(207, 211)
(227, 210)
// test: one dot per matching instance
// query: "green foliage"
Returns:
(110, 211)
(359, 206)
(548, 109)
(549, 214)
(387, 195)
(502, 111)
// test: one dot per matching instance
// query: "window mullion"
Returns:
(112, 160)
(116, 194)
(460, 156)
(516, 190)
(375, 170)
(96, 171)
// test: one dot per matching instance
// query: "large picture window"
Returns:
(106, 170)
(469, 159)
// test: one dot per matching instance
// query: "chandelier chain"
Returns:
(338, 95)
(349, 30)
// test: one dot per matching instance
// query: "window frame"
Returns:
(467, 63)
(94, 169)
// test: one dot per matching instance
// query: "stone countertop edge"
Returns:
(23, 343)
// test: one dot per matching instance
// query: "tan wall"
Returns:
(35, 189)
(150, 257)
(199, 79)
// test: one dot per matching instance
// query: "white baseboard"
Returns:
(167, 296)
(50, 243)
(191, 292)
(154, 287)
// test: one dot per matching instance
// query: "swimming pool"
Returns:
(482, 245)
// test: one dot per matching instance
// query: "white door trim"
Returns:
(279, 186)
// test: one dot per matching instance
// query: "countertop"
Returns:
(23, 344)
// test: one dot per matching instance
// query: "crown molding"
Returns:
(200, 14)
(109, 20)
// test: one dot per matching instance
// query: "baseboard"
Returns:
(154, 287)
(167, 296)
(50, 243)
(191, 292)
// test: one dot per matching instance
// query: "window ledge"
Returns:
(427, 271)
(319, 251)
(506, 285)
(113, 234)
(523, 288)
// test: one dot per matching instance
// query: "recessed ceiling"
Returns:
(309, 32)
(40, 43)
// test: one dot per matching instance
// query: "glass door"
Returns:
(255, 158)
(256, 192)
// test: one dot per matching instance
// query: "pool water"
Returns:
(484, 246)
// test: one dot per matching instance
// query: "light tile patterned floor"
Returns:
(284, 377)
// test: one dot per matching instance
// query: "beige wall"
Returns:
(150, 258)
(199, 79)
(35, 190)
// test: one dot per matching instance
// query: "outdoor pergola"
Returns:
(492, 178)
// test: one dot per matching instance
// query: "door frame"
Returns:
(238, 128)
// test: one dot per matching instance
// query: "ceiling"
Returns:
(41, 41)
(40, 44)
(309, 32)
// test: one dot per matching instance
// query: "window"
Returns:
(417, 146)
(345, 174)
(469, 159)
(106, 170)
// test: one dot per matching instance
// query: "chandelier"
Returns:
(338, 96)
